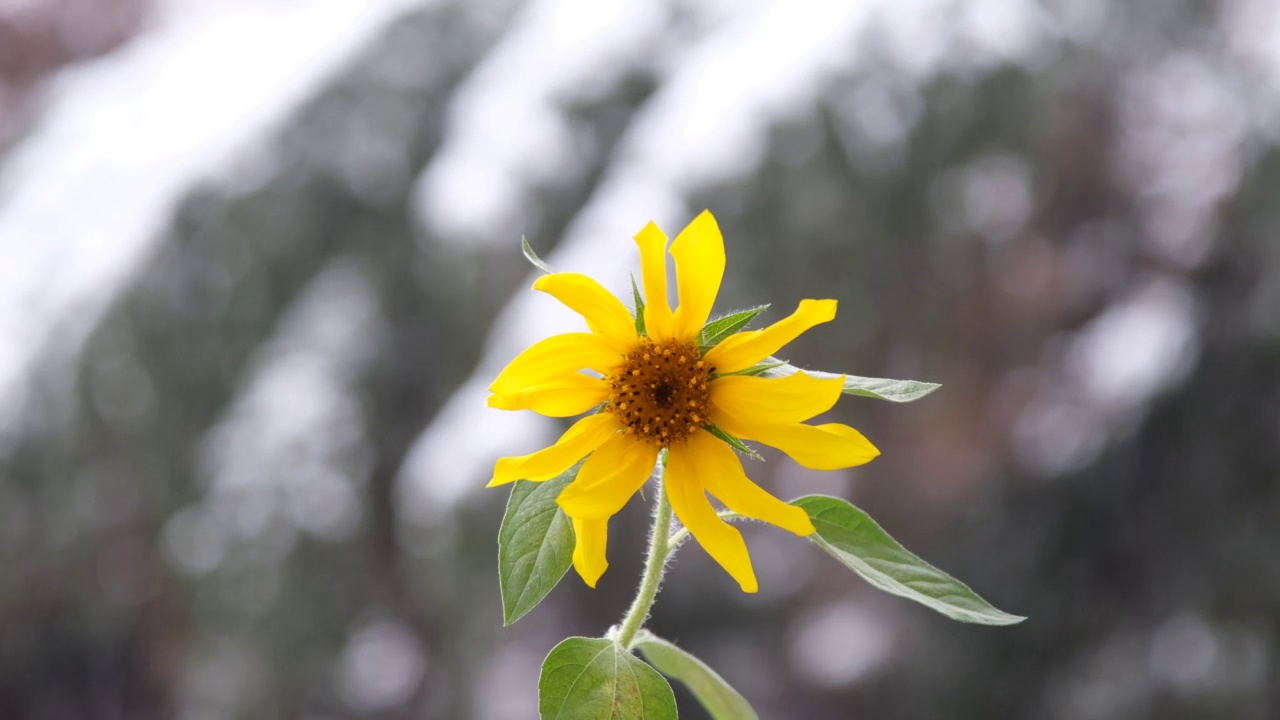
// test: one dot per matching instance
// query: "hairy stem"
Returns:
(659, 549)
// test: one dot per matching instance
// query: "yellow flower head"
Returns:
(662, 390)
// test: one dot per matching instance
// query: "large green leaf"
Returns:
(880, 388)
(595, 679)
(720, 700)
(535, 545)
(853, 538)
(722, 327)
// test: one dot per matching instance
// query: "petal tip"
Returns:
(825, 308)
(591, 576)
(546, 281)
(703, 218)
(651, 234)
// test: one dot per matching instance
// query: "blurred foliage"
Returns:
(172, 549)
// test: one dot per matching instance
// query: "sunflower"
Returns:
(655, 387)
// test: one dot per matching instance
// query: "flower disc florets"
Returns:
(659, 395)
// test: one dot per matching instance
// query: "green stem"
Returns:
(659, 550)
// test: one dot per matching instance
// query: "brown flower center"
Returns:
(660, 395)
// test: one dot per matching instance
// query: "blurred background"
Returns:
(259, 259)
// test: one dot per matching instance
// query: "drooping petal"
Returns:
(821, 447)
(580, 439)
(591, 540)
(658, 321)
(741, 351)
(566, 396)
(721, 473)
(699, 254)
(608, 479)
(794, 398)
(557, 356)
(722, 541)
(605, 314)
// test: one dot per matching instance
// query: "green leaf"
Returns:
(532, 256)
(594, 678)
(758, 369)
(720, 700)
(852, 537)
(535, 545)
(880, 388)
(635, 292)
(734, 442)
(722, 327)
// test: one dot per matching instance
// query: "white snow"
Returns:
(84, 197)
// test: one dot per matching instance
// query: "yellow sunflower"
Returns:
(660, 389)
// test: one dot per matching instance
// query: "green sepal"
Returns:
(532, 256)
(852, 537)
(589, 678)
(722, 327)
(879, 388)
(758, 369)
(535, 544)
(639, 300)
(717, 696)
(734, 442)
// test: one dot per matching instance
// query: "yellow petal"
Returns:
(699, 254)
(592, 537)
(722, 541)
(653, 269)
(821, 447)
(608, 479)
(794, 398)
(554, 357)
(605, 314)
(721, 473)
(584, 436)
(741, 351)
(566, 396)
